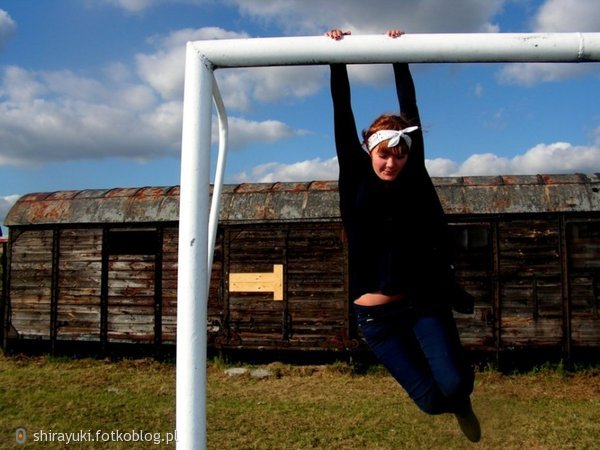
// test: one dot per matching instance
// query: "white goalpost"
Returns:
(198, 219)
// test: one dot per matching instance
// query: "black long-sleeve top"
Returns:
(397, 232)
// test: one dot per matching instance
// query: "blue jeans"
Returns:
(422, 352)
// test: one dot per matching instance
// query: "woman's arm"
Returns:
(407, 99)
(344, 124)
(405, 89)
(346, 134)
(351, 159)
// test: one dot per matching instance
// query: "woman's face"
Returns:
(387, 163)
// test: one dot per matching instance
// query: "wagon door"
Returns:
(78, 310)
(30, 287)
(317, 290)
(530, 284)
(131, 286)
(583, 249)
(476, 273)
(255, 313)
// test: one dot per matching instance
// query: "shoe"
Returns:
(469, 425)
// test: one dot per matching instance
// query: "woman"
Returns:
(400, 270)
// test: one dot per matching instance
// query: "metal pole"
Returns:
(215, 204)
(416, 48)
(192, 278)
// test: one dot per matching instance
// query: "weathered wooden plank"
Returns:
(523, 331)
(78, 294)
(121, 319)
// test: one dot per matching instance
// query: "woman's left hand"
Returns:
(395, 33)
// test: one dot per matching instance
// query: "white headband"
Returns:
(393, 136)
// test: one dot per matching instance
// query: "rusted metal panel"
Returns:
(97, 206)
(306, 200)
(519, 194)
(280, 202)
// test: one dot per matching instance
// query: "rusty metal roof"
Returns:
(297, 201)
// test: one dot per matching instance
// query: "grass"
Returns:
(60, 395)
(301, 407)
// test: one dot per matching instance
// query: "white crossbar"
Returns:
(416, 48)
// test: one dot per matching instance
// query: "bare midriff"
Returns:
(377, 298)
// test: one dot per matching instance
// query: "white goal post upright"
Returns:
(202, 58)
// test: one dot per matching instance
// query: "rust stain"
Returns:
(173, 191)
(323, 186)
(150, 193)
(121, 192)
(62, 195)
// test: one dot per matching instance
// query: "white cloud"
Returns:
(242, 132)
(316, 16)
(556, 158)
(441, 167)
(6, 202)
(308, 170)
(482, 164)
(241, 87)
(59, 115)
(19, 85)
(568, 16)
(137, 6)
(478, 90)
(164, 69)
(529, 74)
(556, 16)
(7, 28)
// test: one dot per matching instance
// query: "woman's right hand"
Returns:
(337, 34)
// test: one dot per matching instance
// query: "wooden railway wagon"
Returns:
(98, 268)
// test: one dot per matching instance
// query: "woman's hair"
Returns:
(389, 122)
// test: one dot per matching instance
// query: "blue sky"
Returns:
(91, 91)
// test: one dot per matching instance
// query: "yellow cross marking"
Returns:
(259, 282)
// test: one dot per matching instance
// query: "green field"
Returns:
(299, 407)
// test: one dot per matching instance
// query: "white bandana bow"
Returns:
(394, 137)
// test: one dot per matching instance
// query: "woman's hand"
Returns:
(337, 34)
(395, 33)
